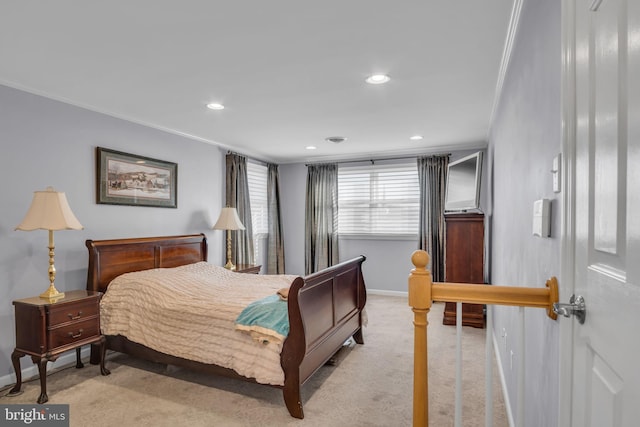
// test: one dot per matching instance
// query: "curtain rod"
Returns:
(262, 162)
(381, 159)
(372, 161)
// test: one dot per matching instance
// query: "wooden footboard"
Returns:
(325, 308)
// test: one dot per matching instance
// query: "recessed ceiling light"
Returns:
(215, 106)
(376, 79)
(310, 147)
(335, 139)
(416, 137)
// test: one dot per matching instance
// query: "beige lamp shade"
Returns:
(49, 210)
(228, 220)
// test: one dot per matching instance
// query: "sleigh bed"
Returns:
(324, 309)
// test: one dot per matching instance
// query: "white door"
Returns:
(604, 222)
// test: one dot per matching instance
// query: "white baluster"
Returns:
(488, 382)
(458, 414)
(520, 355)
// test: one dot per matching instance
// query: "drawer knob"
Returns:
(78, 335)
(72, 317)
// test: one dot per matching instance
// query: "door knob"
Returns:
(575, 307)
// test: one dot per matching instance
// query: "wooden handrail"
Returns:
(498, 295)
(422, 292)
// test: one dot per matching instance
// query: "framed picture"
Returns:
(129, 179)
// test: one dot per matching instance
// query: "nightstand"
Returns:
(248, 268)
(46, 329)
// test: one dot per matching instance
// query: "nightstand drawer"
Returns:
(73, 332)
(72, 312)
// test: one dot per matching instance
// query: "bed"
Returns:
(325, 309)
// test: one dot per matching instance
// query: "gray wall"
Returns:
(292, 191)
(48, 143)
(524, 138)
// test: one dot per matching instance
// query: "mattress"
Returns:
(190, 312)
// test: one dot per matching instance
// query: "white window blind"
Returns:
(378, 199)
(257, 177)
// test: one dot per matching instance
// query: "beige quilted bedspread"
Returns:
(189, 311)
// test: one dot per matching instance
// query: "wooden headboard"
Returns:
(111, 258)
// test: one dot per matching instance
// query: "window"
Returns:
(378, 199)
(257, 177)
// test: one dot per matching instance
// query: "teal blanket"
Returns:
(266, 319)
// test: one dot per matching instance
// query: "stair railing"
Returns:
(423, 292)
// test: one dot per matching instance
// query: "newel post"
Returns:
(420, 301)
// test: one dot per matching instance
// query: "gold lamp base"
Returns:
(52, 294)
(229, 265)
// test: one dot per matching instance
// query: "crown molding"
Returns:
(514, 22)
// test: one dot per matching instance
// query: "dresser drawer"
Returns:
(73, 332)
(72, 312)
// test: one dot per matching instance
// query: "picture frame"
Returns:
(134, 180)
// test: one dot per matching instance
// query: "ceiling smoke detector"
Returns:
(335, 139)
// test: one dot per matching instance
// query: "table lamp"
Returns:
(229, 220)
(50, 211)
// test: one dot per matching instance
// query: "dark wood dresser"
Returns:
(464, 263)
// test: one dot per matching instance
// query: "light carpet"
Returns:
(368, 385)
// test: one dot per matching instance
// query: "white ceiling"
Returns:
(290, 73)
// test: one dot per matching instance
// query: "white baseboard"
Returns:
(388, 293)
(31, 372)
(503, 382)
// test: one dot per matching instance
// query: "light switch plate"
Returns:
(555, 171)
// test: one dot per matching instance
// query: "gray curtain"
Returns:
(275, 242)
(321, 217)
(238, 197)
(432, 177)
